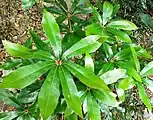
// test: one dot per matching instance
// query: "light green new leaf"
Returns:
(89, 62)
(120, 35)
(49, 94)
(105, 68)
(135, 59)
(143, 96)
(106, 97)
(70, 91)
(52, 32)
(122, 24)
(107, 11)
(88, 44)
(113, 75)
(93, 108)
(86, 76)
(147, 70)
(25, 75)
(21, 51)
(149, 84)
(127, 83)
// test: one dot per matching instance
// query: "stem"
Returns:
(69, 14)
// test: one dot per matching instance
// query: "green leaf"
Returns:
(147, 20)
(106, 97)
(69, 39)
(105, 68)
(143, 96)
(96, 14)
(127, 83)
(72, 117)
(49, 94)
(39, 43)
(9, 115)
(93, 108)
(147, 70)
(116, 9)
(135, 59)
(25, 75)
(131, 71)
(107, 11)
(21, 51)
(28, 3)
(120, 35)
(9, 99)
(149, 84)
(9, 64)
(52, 32)
(68, 112)
(113, 75)
(70, 91)
(89, 62)
(94, 29)
(122, 24)
(108, 50)
(123, 54)
(88, 44)
(86, 76)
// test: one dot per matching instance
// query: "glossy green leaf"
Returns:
(106, 97)
(88, 44)
(108, 50)
(69, 39)
(123, 54)
(49, 94)
(135, 59)
(25, 75)
(70, 91)
(9, 99)
(116, 8)
(86, 76)
(89, 62)
(127, 83)
(21, 51)
(120, 35)
(107, 11)
(38, 42)
(122, 24)
(52, 32)
(143, 96)
(106, 67)
(9, 115)
(94, 29)
(28, 3)
(9, 64)
(149, 84)
(93, 108)
(131, 71)
(96, 14)
(147, 70)
(113, 75)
